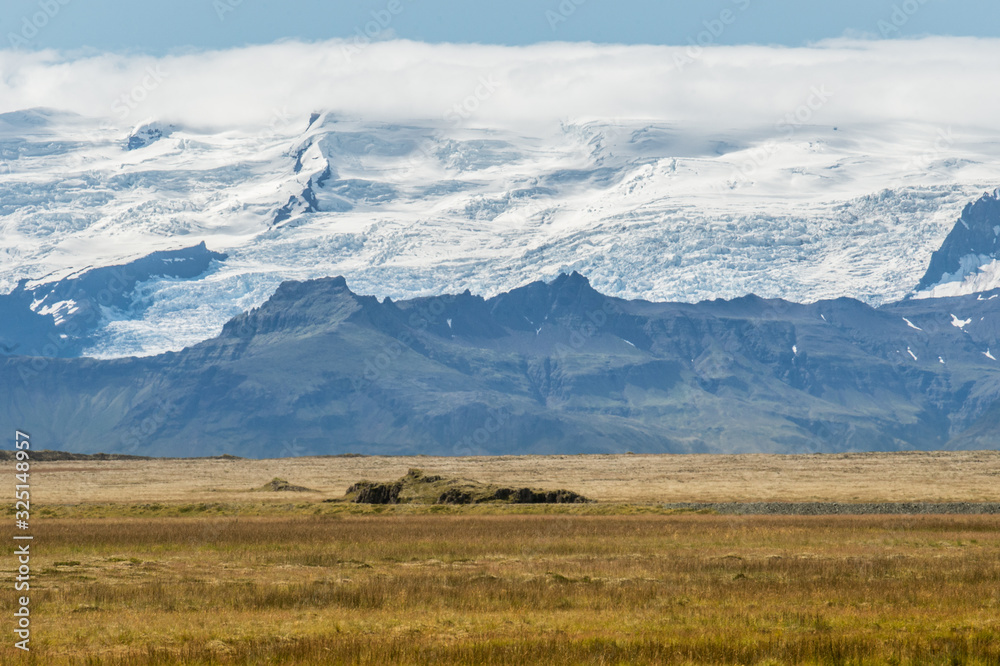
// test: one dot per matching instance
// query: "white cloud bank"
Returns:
(944, 81)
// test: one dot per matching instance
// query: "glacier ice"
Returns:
(644, 209)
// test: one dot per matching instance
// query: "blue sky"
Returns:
(164, 27)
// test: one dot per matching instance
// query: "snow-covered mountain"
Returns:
(969, 259)
(644, 209)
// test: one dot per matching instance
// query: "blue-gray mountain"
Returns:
(974, 241)
(59, 318)
(546, 368)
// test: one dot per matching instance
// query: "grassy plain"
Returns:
(194, 568)
(972, 476)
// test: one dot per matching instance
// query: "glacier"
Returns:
(646, 209)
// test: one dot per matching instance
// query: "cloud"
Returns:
(936, 80)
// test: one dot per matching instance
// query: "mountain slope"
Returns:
(644, 208)
(61, 317)
(546, 368)
(974, 242)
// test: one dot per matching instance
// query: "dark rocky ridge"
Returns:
(65, 333)
(976, 238)
(546, 368)
(46, 455)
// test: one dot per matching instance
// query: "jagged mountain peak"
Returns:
(320, 304)
(972, 244)
(349, 373)
(290, 290)
(531, 305)
(148, 132)
(297, 307)
(573, 280)
(301, 297)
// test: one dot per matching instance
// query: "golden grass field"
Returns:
(863, 477)
(178, 562)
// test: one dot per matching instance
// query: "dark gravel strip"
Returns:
(838, 508)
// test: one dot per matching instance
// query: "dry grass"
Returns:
(871, 477)
(406, 588)
(182, 562)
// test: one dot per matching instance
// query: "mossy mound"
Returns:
(419, 488)
(47, 455)
(278, 485)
